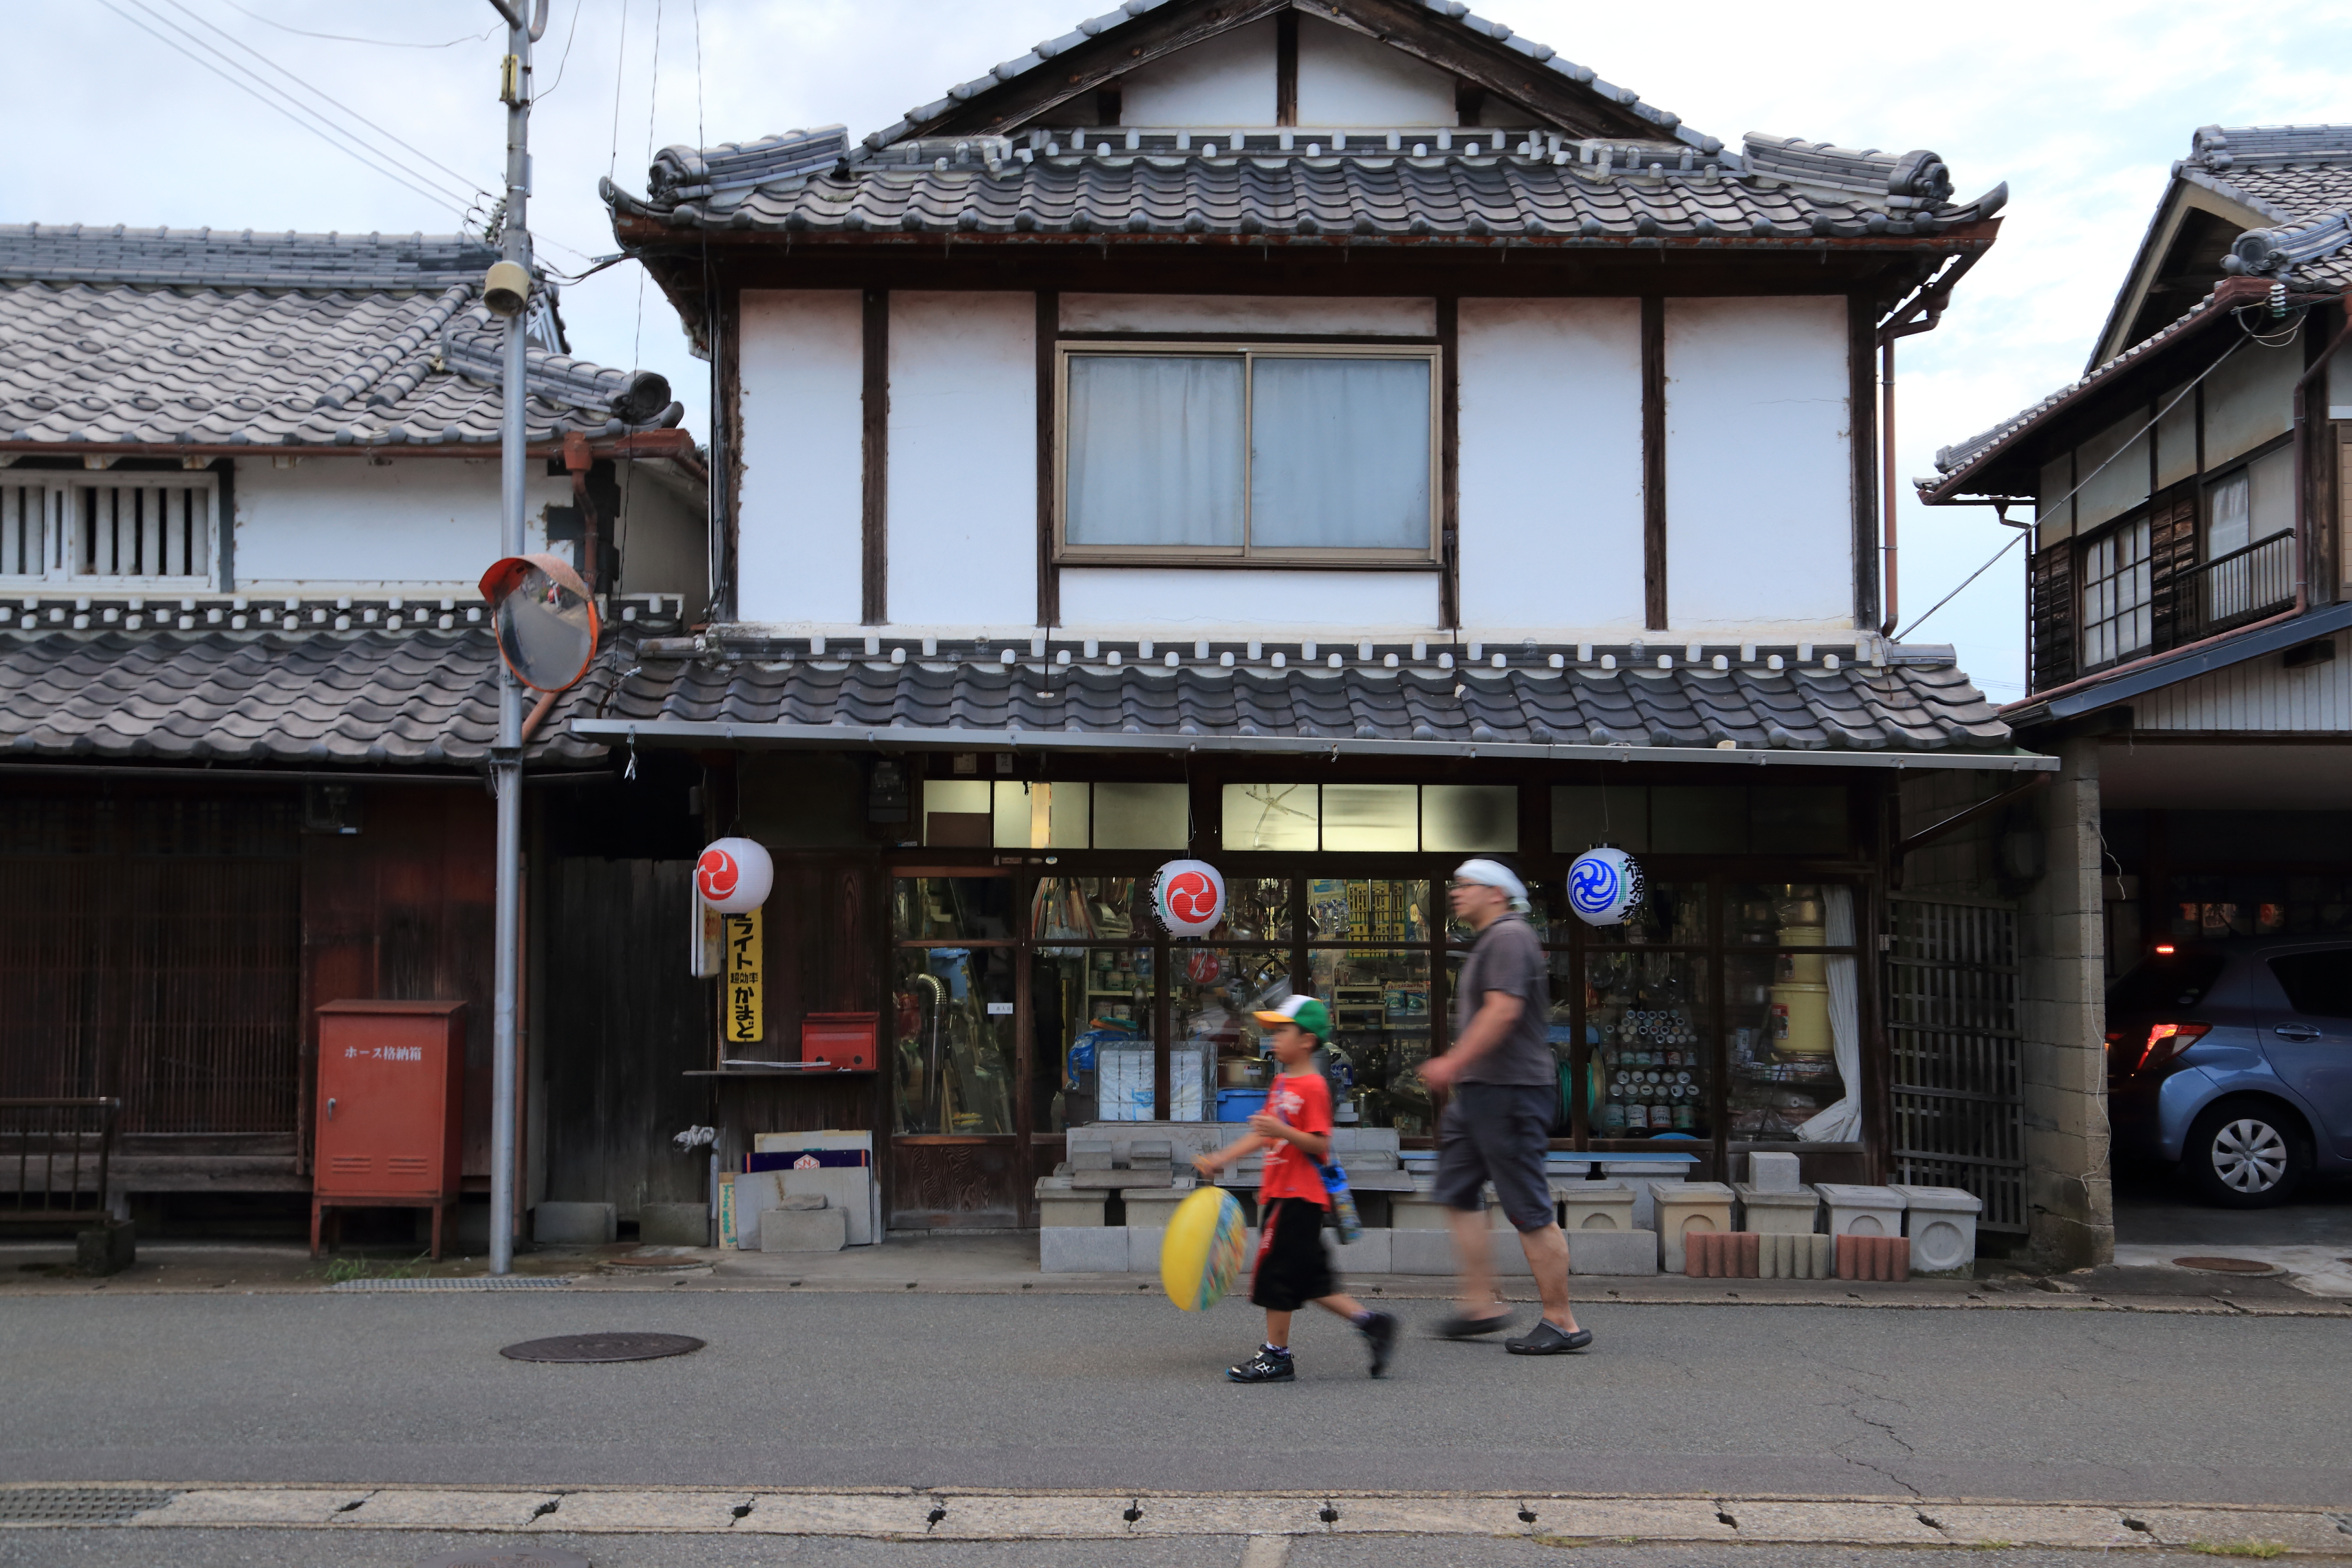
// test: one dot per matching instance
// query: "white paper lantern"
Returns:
(1604, 886)
(733, 876)
(1189, 897)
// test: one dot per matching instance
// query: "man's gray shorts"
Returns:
(1498, 1132)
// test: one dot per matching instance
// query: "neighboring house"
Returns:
(1326, 441)
(2190, 587)
(247, 484)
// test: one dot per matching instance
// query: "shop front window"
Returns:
(1646, 1026)
(1217, 1067)
(1257, 909)
(953, 1063)
(1379, 1003)
(1792, 1018)
(1096, 1044)
(937, 908)
(1374, 910)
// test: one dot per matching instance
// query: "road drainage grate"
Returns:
(608, 1347)
(79, 1505)
(469, 1282)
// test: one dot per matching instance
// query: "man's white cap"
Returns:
(1494, 874)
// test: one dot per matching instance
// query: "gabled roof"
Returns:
(116, 337)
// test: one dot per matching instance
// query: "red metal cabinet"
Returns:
(392, 1109)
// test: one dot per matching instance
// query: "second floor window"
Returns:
(2115, 594)
(121, 529)
(1259, 454)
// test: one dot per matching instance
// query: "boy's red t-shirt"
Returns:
(1304, 1100)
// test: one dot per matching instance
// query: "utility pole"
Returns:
(510, 295)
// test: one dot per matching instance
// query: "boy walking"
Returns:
(1295, 1130)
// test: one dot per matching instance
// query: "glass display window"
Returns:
(1259, 909)
(1792, 1024)
(1380, 1032)
(1217, 1060)
(1087, 908)
(1647, 1024)
(1671, 914)
(952, 1037)
(1368, 910)
(1775, 914)
(1269, 817)
(1094, 1017)
(952, 909)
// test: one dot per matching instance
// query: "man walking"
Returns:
(1504, 1084)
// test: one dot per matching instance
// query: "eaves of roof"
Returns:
(2188, 664)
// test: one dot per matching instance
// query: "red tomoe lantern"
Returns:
(1189, 897)
(733, 876)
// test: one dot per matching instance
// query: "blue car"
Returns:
(2233, 1061)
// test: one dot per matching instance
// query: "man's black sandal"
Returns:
(1548, 1338)
(1462, 1327)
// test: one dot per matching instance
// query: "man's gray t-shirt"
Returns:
(1508, 958)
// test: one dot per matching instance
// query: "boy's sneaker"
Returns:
(1379, 1331)
(1264, 1367)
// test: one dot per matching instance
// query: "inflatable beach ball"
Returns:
(1604, 886)
(1202, 1254)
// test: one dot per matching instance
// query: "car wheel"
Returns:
(2245, 1155)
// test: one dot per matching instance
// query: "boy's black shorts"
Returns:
(1292, 1267)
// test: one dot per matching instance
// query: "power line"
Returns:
(562, 64)
(620, 71)
(342, 38)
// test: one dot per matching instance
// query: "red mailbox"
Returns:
(392, 1109)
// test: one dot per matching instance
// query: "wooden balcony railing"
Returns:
(2244, 585)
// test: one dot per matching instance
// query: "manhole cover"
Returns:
(78, 1505)
(2227, 1265)
(602, 1347)
(520, 1557)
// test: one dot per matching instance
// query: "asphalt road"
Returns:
(1119, 1394)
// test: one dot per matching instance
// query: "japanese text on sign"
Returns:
(385, 1053)
(743, 1018)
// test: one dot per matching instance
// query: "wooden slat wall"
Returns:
(2172, 563)
(2260, 695)
(2052, 616)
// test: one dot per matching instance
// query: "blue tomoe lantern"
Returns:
(1604, 886)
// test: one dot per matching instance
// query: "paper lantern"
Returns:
(1189, 897)
(733, 876)
(1604, 886)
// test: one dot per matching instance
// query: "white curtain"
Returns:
(1155, 450)
(1841, 1123)
(1339, 454)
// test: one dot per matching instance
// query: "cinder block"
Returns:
(1421, 1252)
(1090, 1155)
(804, 1230)
(1942, 1224)
(1684, 1207)
(1374, 1252)
(1862, 1210)
(108, 1249)
(1596, 1206)
(574, 1225)
(674, 1224)
(1785, 1256)
(1612, 1252)
(844, 1187)
(1771, 1213)
(1083, 1250)
(1771, 1172)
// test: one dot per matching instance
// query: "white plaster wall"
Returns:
(800, 537)
(1551, 465)
(1346, 79)
(2115, 489)
(665, 536)
(1760, 486)
(2249, 399)
(1246, 602)
(963, 456)
(1226, 80)
(2176, 438)
(411, 522)
(1246, 314)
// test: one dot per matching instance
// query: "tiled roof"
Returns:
(2299, 175)
(425, 699)
(1116, 183)
(201, 338)
(1734, 698)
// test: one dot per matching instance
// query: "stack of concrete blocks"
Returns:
(795, 1222)
(1942, 1224)
(848, 1187)
(1684, 1209)
(1862, 1210)
(1774, 1202)
(1601, 1237)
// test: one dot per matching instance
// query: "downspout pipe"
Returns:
(1887, 445)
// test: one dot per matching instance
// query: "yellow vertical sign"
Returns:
(743, 1018)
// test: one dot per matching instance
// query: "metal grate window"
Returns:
(32, 531)
(1951, 1024)
(141, 530)
(2115, 594)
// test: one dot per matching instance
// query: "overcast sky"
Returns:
(2080, 106)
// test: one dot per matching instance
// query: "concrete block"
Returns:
(108, 1249)
(1612, 1252)
(1374, 1252)
(846, 1187)
(1942, 1224)
(804, 1230)
(1797, 1213)
(1785, 1256)
(1072, 1210)
(574, 1225)
(1596, 1206)
(1417, 1211)
(1083, 1250)
(1505, 1256)
(1772, 1173)
(1152, 1207)
(1143, 1245)
(1863, 1211)
(1421, 1252)
(1644, 1185)
(1151, 1153)
(1684, 1207)
(674, 1224)
(1090, 1155)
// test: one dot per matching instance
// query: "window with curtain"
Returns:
(1249, 454)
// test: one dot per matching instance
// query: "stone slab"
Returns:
(1421, 1252)
(802, 1230)
(2226, 1527)
(2045, 1525)
(1374, 1252)
(395, 1507)
(1627, 1519)
(576, 1225)
(674, 1224)
(1069, 1211)
(253, 1505)
(1862, 1524)
(622, 1511)
(1082, 1249)
(1620, 1252)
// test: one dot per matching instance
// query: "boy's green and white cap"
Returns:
(1304, 1011)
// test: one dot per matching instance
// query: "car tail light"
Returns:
(2166, 1041)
